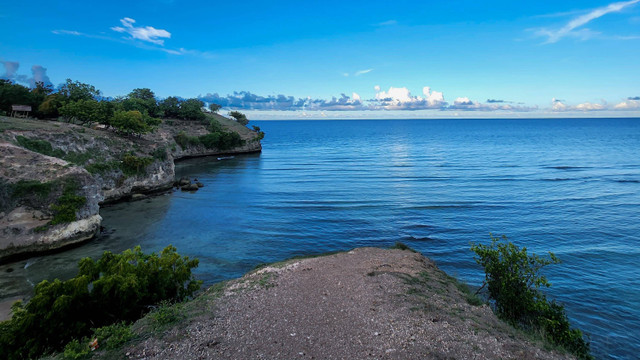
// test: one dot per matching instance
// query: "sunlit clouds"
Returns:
(144, 33)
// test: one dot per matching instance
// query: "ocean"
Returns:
(569, 186)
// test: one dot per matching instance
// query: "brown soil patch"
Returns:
(364, 304)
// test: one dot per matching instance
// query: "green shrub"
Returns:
(40, 146)
(221, 140)
(260, 133)
(31, 187)
(214, 126)
(102, 167)
(133, 165)
(186, 141)
(514, 281)
(239, 117)
(77, 350)
(113, 336)
(79, 158)
(67, 205)
(160, 153)
(117, 287)
(129, 122)
(402, 246)
(166, 313)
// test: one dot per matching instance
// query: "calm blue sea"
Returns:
(570, 186)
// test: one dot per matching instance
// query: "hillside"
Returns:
(54, 175)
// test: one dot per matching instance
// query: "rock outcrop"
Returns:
(104, 166)
(25, 215)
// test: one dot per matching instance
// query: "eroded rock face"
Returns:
(24, 216)
(25, 220)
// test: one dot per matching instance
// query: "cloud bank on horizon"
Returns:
(397, 98)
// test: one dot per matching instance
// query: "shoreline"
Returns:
(23, 225)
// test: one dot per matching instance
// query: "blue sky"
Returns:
(285, 59)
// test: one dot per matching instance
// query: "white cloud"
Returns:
(67, 32)
(355, 97)
(629, 104)
(401, 99)
(590, 106)
(559, 106)
(361, 72)
(146, 33)
(357, 73)
(376, 88)
(569, 29)
(463, 101)
(387, 23)
(433, 97)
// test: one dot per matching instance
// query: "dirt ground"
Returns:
(368, 303)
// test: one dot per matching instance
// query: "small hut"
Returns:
(20, 111)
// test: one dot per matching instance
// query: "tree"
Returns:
(514, 281)
(84, 111)
(240, 117)
(49, 108)
(214, 107)
(143, 100)
(191, 109)
(13, 94)
(170, 107)
(142, 93)
(75, 90)
(129, 122)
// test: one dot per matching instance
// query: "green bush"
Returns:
(76, 350)
(186, 141)
(67, 205)
(160, 153)
(133, 165)
(239, 117)
(221, 140)
(260, 133)
(514, 282)
(40, 146)
(129, 122)
(108, 337)
(102, 167)
(214, 126)
(31, 187)
(113, 336)
(117, 287)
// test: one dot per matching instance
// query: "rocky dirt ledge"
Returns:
(367, 303)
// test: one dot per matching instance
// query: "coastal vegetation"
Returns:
(101, 300)
(134, 114)
(513, 279)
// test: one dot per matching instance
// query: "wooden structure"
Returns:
(21, 111)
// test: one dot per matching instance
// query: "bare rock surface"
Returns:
(19, 222)
(367, 303)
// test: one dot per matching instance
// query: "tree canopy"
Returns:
(75, 90)
(240, 117)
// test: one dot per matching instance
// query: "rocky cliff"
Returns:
(54, 176)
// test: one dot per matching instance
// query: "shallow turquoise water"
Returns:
(567, 186)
